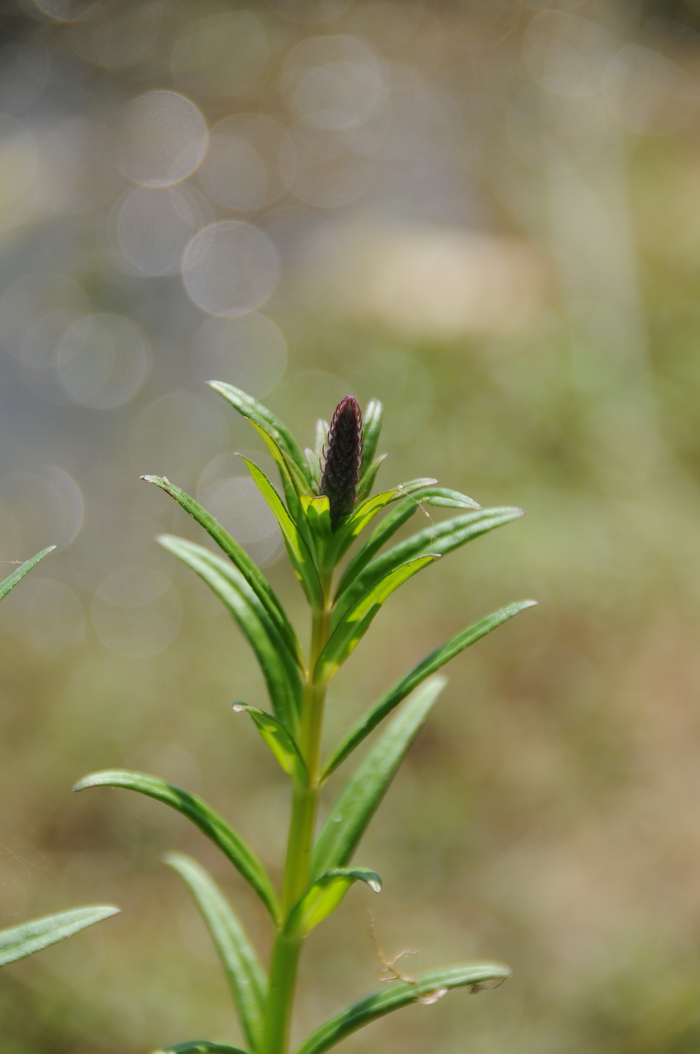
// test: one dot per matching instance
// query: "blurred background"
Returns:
(487, 214)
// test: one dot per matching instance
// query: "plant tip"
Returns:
(341, 471)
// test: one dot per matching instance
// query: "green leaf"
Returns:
(325, 895)
(17, 576)
(238, 958)
(318, 514)
(294, 480)
(202, 815)
(427, 989)
(322, 430)
(362, 515)
(199, 1046)
(238, 556)
(279, 741)
(358, 802)
(29, 937)
(265, 419)
(349, 630)
(398, 692)
(279, 668)
(371, 428)
(299, 554)
(439, 538)
(366, 481)
(314, 466)
(295, 486)
(430, 495)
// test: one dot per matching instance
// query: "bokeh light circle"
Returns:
(153, 226)
(65, 10)
(103, 360)
(230, 268)
(38, 509)
(30, 298)
(163, 138)
(333, 81)
(228, 492)
(177, 435)
(136, 612)
(249, 352)
(221, 54)
(233, 174)
(47, 615)
(235, 178)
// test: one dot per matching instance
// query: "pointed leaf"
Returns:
(17, 576)
(439, 538)
(325, 895)
(297, 548)
(29, 937)
(349, 631)
(366, 481)
(430, 495)
(199, 1046)
(238, 958)
(427, 988)
(322, 429)
(248, 568)
(264, 418)
(318, 514)
(202, 815)
(398, 692)
(294, 484)
(314, 466)
(358, 802)
(371, 428)
(279, 741)
(362, 515)
(279, 668)
(294, 480)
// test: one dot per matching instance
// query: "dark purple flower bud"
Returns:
(343, 458)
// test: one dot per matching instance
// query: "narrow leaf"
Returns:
(29, 937)
(358, 802)
(286, 464)
(325, 895)
(17, 576)
(439, 538)
(371, 428)
(297, 548)
(238, 958)
(351, 628)
(363, 514)
(238, 556)
(202, 815)
(278, 740)
(249, 407)
(403, 511)
(314, 466)
(199, 1046)
(322, 429)
(318, 514)
(426, 988)
(367, 478)
(279, 668)
(398, 692)
(294, 484)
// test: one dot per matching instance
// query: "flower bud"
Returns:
(343, 458)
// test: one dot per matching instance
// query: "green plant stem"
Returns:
(297, 870)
